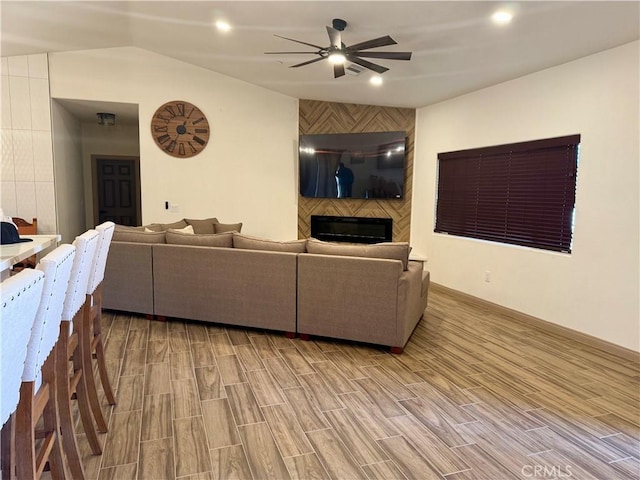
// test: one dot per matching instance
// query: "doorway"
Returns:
(116, 189)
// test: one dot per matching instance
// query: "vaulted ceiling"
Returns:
(456, 47)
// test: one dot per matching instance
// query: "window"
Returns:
(521, 194)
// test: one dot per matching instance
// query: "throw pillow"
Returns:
(228, 227)
(200, 239)
(188, 230)
(163, 227)
(254, 243)
(202, 226)
(154, 227)
(138, 236)
(391, 250)
(175, 225)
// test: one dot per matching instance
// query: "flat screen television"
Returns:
(352, 165)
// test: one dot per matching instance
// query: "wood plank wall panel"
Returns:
(327, 117)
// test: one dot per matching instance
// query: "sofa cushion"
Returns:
(153, 227)
(163, 227)
(391, 250)
(202, 226)
(255, 243)
(200, 239)
(138, 236)
(228, 227)
(127, 228)
(178, 224)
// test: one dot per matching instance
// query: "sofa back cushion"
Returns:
(390, 250)
(163, 227)
(202, 226)
(127, 228)
(200, 240)
(136, 236)
(255, 243)
(228, 227)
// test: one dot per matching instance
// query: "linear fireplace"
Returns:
(351, 229)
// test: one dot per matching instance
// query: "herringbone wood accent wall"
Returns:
(326, 117)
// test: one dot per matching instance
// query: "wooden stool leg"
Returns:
(25, 434)
(30, 463)
(98, 347)
(7, 442)
(64, 392)
(81, 386)
(51, 419)
(86, 343)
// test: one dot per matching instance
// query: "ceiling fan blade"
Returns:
(338, 70)
(292, 53)
(366, 64)
(299, 41)
(335, 37)
(308, 62)
(387, 55)
(376, 42)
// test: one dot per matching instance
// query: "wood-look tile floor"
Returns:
(475, 395)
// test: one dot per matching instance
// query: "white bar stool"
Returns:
(38, 390)
(94, 306)
(72, 344)
(19, 298)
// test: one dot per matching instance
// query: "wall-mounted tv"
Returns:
(352, 165)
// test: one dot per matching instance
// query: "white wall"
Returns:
(68, 173)
(246, 173)
(595, 289)
(27, 157)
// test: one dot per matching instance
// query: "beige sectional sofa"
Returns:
(128, 280)
(366, 293)
(371, 300)
(226, 285)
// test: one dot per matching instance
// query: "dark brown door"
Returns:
(118, 190)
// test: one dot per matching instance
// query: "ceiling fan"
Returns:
(337, 52)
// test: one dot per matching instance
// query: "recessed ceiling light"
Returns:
(502, 17)
(223, 26)
(376, 80)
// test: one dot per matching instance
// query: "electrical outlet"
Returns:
(487, 276)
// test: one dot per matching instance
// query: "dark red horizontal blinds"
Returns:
(521, 194)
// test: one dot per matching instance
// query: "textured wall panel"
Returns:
(27, 155)
(326, 117)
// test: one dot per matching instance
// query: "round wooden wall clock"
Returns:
(180, 129)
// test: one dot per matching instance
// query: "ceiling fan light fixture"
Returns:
(337, 58)
(106, 119)
(337, 53)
